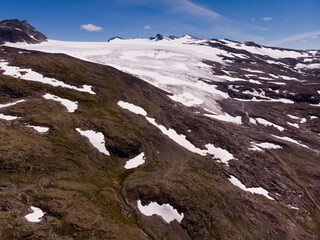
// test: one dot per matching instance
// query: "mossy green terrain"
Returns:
(88, 195)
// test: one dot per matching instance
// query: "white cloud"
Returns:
(267, 18)
(314, 37)
(294, 38)
(91, 28)
(147, 27)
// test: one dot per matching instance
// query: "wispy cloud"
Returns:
(192, 8)
(267, 18)
(293, 38)
(147, 27)
(314, 37)
(91, 28)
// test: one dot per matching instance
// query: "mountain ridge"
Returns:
(229, 135)
(14, 30)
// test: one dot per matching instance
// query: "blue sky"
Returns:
(284, 23)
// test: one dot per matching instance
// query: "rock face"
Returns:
(19, 31)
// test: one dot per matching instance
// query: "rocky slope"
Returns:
(230, 140)
(19, 31)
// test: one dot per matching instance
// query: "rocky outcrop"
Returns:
(19, 31)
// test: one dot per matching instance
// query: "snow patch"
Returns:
(254, 190)
(226, 117)
(29, 75)
(71, 106)
(166, 211)
(132, 108)
(267, 123)
(39, 129)
(36, 216)
(187, 99)
(96, 139)
(7, 117)
(290, 140)
(11, 104)
(265, 145)
(135, 162)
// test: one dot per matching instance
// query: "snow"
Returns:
(96, 139)
(220, 153)
(7, 117)
(253, 71)
(293, 117)
(254, 81)
(71, 106)
(180, 139)
(187, 99)
(308, 66)
(278, 83)
(254, 99)
(11, 104)
(166, 211)
(36, 216)
(265, 145)
(313, 117)
(290, 140)
(30, 75)
(132, 108)
(39, 129)
(287, 78)
(293, 124)
(267, 123)
(274, 53)
(226, 117)
(167, 64)
(135, 162)
(303, 120)
(254, 190)
(292, 207)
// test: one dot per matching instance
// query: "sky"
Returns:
(281, 23)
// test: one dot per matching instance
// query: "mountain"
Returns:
(192, 139)
(19, 31)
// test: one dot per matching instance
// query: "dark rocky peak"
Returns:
(113, 38)
(172, 37)
(252, 44)
(159, 37)
(15, 30)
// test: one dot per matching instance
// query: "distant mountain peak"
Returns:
(14, 30)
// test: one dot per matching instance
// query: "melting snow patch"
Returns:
(71, 106)
(135, 162)
(255, 190)
(36, 216)
(39, 129)
(132, 108)
(29, 75)
(260, 146)
(187, 99)
(96, 139)
(167, 212)
(226, 117)
(267, 123)
(313, 117)
(10, 104)
(180, 139)
(290, 140)
(7, 117)
(293, 124)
